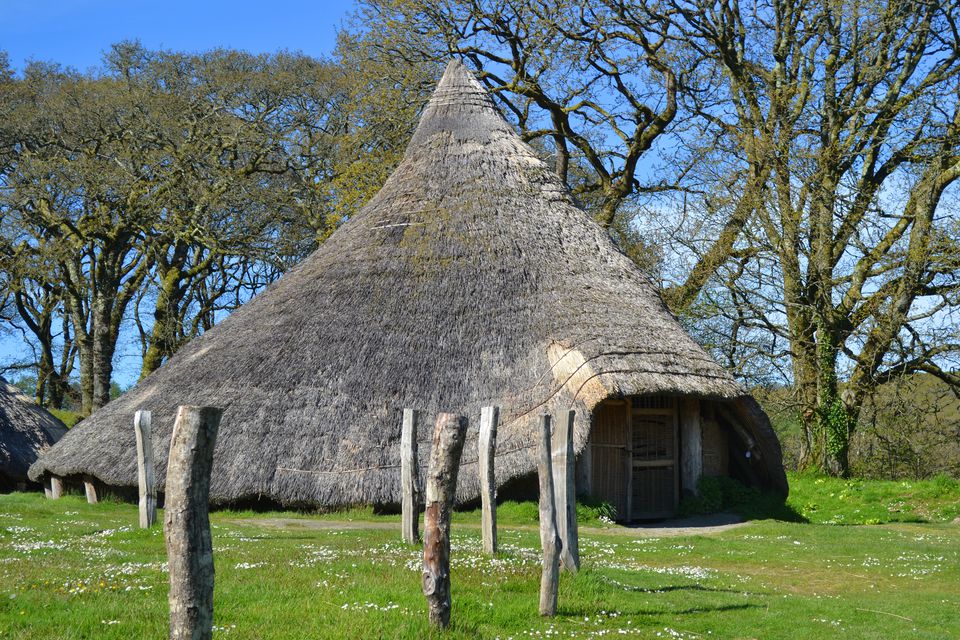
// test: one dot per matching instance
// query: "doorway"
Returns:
(634, 451)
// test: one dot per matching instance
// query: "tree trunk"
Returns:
(103, 348)
(187, 523)
(448, 438)
(832, 415)
(163, 336)
(85, 353)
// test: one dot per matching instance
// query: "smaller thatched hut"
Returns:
(26, 431)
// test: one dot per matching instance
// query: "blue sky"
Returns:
(76, 33)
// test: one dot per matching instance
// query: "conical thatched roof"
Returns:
(470, 279)
(26, 430)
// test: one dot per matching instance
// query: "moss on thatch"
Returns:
(470, 279)
(26, 430)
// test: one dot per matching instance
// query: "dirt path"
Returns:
(696, 526)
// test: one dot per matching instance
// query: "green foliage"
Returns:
(590, 512)
(945, 486)
(186, 181)
(69, 418)
(908, 428)
(715, 494)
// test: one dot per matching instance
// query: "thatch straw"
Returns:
(471, 279)
(26, 430)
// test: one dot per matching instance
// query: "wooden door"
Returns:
(654, 467)
(609, 456)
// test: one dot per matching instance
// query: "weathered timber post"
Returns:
(487, 444)
(91, 490)
(410, 477)
(549, 539)
(691, 452)
(187, 522)
(56, 487)
(146, 476)
(565, 492)
(449, 435)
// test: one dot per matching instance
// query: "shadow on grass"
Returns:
(679, 587)
(769, 507)
(577, 612)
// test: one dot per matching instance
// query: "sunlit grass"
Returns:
(71, 570)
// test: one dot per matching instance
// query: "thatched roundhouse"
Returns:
(471, 279)
(26, 431)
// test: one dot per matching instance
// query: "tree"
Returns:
(588, 83)
(234, 159)
(184, 182)
(844, 117)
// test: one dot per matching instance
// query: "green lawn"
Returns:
(70, 570)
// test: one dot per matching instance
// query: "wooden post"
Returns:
(146, 476)
(410, 477)
(91, 490)
(585, 470)
(691, 442)
(449, 435)
(489, 418)
(549, 539)
(565, 492)
(187, 522)
(56, 487)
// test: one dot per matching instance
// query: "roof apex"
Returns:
(460, 107)
(458, 77)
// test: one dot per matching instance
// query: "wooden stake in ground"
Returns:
(549, 539)
(448, 438)
(56, 488)
(187, 522)
(410, 477)
(489, 417)
(146, 476)
(566, 494)
(91, 490)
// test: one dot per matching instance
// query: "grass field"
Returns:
(70, 570)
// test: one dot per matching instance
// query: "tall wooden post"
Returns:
(187, 522)
(449, 435)
(487, 444)
(410, 477)
(691, 440)
(56, 487)
(146, 475)
(549, 539)
(566, 493)
(91, 490)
